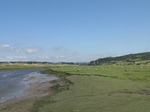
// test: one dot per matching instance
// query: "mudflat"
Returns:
(37, 86)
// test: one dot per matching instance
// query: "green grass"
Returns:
(101, 89)
(101, 94)
(113, 71)
(8, 66)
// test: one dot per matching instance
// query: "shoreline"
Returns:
(37, 86)
(15, 82)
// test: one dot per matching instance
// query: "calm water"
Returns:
(12, 82)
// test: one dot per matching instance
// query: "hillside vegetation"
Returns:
(136, 59)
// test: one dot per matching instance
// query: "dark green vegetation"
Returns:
(136, 59)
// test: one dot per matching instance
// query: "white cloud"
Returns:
(58, 54)
(18, 49)
(65, 58)
(5, 47)
(31, 50)
(57, 58)
(16, 57)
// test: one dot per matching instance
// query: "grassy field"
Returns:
(107, 88)
(8, 66)
(113, 71)
(101, 89)
(100, 94)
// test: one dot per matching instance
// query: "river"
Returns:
(14, 82)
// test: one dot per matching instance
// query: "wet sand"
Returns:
(38, 85)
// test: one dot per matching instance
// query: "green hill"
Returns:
(139, 58)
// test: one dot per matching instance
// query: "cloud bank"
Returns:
(31, 50)
(16, 57)
(53, 54)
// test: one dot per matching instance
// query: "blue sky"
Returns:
(72, 30)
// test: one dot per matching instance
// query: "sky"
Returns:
(72, 30)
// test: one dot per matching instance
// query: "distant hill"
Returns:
(139, 58)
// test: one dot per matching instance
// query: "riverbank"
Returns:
(38, 86)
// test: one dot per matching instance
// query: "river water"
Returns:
(14, 82)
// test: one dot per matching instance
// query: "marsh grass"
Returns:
(101, 89)
(100, 94)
